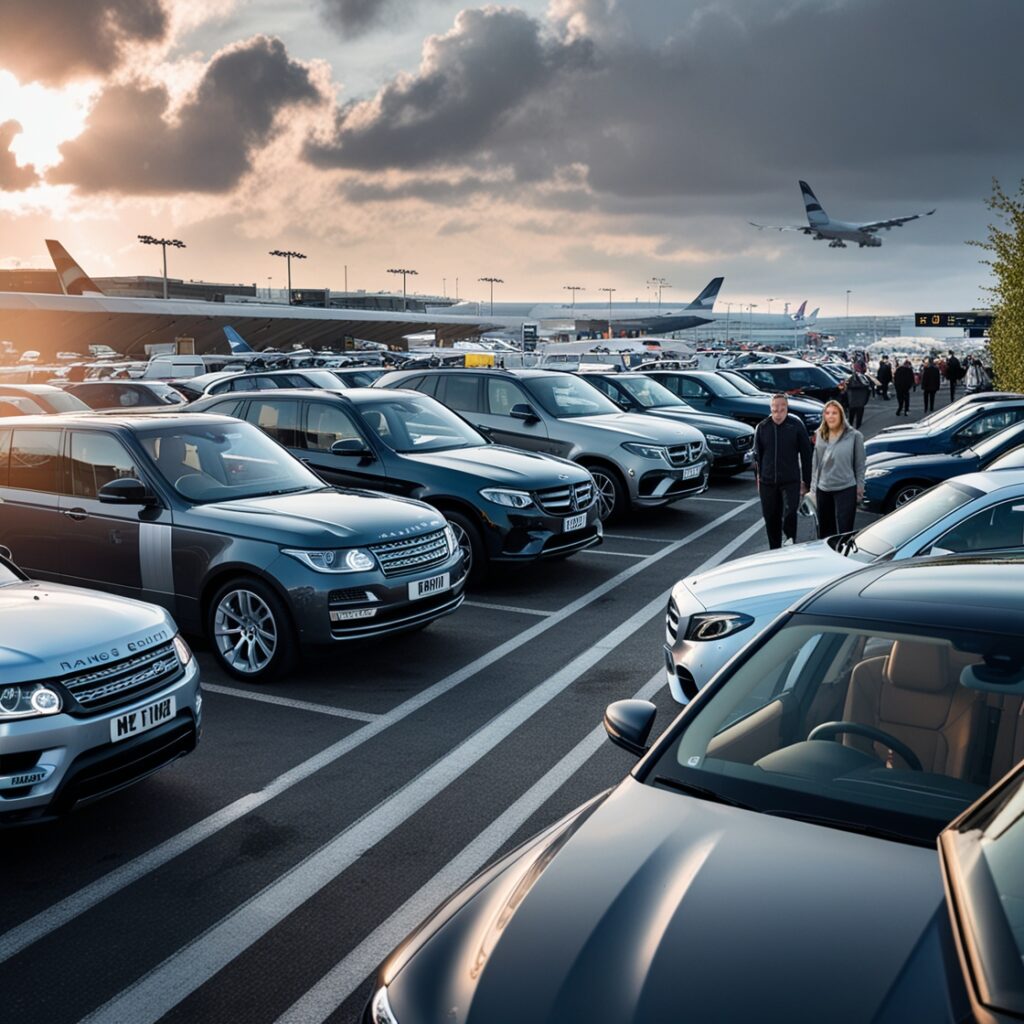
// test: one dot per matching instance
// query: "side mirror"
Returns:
(628, 724)
(126, 491)
(524, 412)
(352, 446)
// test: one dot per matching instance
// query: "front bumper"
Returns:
(875, 496)
(81, 762)
(731, 461)
(654, 487)
(525, 535)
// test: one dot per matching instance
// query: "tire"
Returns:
(250, 630)
(612, 497)
(468, 535)
(905, 492)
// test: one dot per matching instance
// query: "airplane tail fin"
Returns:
(236, 342)
(814, 313)
(706, 299)
(799, 314)
(815, 213)
(73, 279)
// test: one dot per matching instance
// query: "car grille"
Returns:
(123, 681)
(672, 622)
(744, 442)
(560, 501)
(684, 454)
(410, 554)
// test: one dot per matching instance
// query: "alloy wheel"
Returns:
(607, 493)
(245, 631)
(906, 494)
(462, 538)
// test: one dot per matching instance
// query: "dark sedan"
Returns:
(796, 378)
(773, 856)
(711, 392)
(892, 479)
(209, 518)
(973, 423)
(731, 442)
(504, 505)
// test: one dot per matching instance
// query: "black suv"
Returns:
(211, 519)
(793, 378)
(504, 505)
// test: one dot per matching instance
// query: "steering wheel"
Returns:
(829, 731)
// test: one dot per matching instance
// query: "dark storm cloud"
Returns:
(128, 147)
(730, 101)
(429, 189)
(52, 41)
(12, 177)
(353, 18)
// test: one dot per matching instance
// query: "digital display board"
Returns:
(978, 321)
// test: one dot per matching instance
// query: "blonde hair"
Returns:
(823, 432)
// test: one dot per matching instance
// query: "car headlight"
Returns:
(182, 649)
(647, 451)
(28, 700)
(380, 1008)
(873, 474)
(510, 499)
(716, 439)
(452, 540)
(345, 560)
(716, 625)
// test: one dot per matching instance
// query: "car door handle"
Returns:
(75, 513)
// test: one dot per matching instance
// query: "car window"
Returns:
(987, 424)
(326, 424)
(96, 396)
(1000, 526)
(421, 424)
(649, 393)
(565, 396)
(96, 459)
(5, 454)
(34, 460)
(278, 418)
(240, 383)
(461, 392)
(690, 388)
(229, 407)
(61, 401)
(502, 395)
(1013, 459)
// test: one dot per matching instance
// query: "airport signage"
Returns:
(977, 321)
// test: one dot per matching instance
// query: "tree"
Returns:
(1005, 243)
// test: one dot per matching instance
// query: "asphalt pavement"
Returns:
(263, 878)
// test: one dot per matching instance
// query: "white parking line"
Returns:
(726, 501)
(613, 554)
(646, 540)
(67, 909)
(505, 608)
(288, 702)
(342, 980)
(164, 987)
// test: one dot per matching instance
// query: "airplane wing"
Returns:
(895, 222)
(783, 227)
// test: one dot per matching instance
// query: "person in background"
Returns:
(837, 475)
(931, 381)
(903, 382)
(954, 371)
(857, 389)
(782, 470)
(975, 379)
(884, 376)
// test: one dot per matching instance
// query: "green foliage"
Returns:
(1005, 243)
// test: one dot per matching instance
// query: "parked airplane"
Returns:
(820, 225)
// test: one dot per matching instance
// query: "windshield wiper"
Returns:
(289, 490)
(701, 792)
(861, 828)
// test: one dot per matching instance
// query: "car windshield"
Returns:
(1013, 459)
(741, 384)
(417, 425)
(864, 726)
(987, 448)
(6, 575)
(358, 378)
(61, 401)
(565, 396)
(649, 393)
(891, 532)
(220, 463)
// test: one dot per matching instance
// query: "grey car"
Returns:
(96, 692)
(636, 461)
(210, 518)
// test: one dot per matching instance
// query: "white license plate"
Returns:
(426, 588)
(691, 471)
(574, 523)
(131, 723)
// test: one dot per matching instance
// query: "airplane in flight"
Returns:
(820, 225)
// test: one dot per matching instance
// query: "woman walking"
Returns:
(837, 472)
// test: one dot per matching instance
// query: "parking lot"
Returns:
(323, 817)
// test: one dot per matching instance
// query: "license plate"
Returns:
(691, 471)
(574, 523)
(131, 723)
(425, 588)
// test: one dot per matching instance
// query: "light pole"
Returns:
(609, 291)
(405, 272)
(770, 301)
(728, 312)
(848, 290)
(659, 283)
(574, 288)
(492, 281)
(163, 243)
(289, 256)
(751, 306)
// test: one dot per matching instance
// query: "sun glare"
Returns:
(48, 117)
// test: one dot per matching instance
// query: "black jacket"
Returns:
(858, 391)
(954, 371)
(903, 378)
(884, 374)
(931, 379)
(782, 453)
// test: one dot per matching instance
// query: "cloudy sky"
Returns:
(550, 142)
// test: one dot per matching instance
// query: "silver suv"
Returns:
(96, 692)
(635, 460)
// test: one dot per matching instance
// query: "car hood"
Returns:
(497, 465)
(658, 906)
(320, 518)
(924, 463)
(48, 630)
(639, 427)
(703, 421)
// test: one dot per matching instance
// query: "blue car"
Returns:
(953, 434)
(894, 478)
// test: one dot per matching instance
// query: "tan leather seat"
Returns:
(913, 694)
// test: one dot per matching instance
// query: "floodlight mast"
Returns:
(163, 243)
(289, 255)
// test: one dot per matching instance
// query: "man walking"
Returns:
(903, 381)
(885, 376)
(954, 371)
(857, 389)
(782, 470)
(931, 381)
